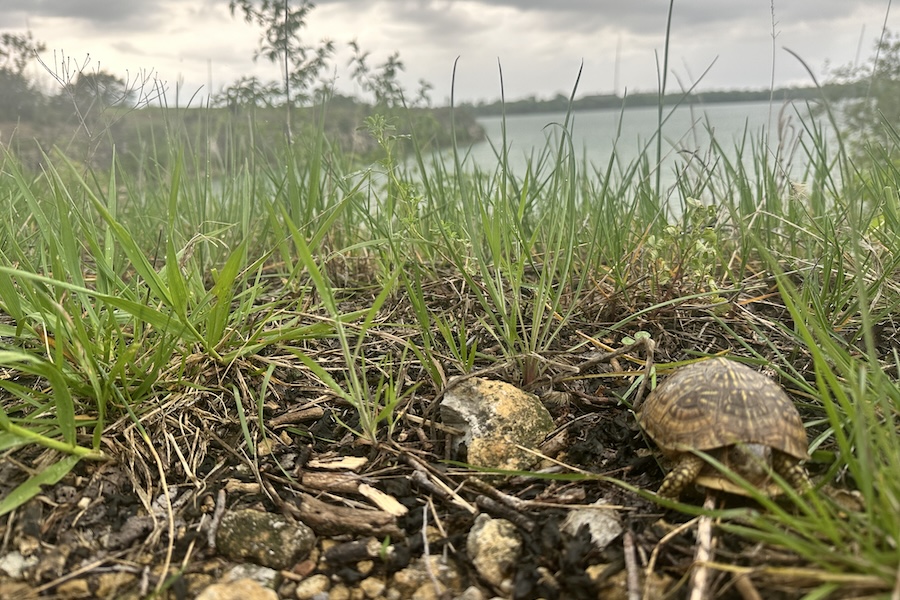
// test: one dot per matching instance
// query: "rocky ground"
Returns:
(186, 508)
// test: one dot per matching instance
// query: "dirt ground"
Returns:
(145, 521)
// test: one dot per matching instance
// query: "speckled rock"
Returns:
(406, 583)
(265, 539)
(494, 546)
(470, 593)
(311, 587)
(264, 576)
(75, 588)
(372, 587)
(242, 589)
(496, 418)
(340, 592)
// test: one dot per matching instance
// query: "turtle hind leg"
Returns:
(791, 471)
(685, 471)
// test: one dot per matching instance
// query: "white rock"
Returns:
(604, 524)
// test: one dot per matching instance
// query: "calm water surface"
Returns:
(687, 132)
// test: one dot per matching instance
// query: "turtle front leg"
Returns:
(791, 471)
(685, 471)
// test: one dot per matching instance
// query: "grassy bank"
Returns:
(154, 305)
(218, 139)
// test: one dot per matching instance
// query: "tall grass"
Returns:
(121, 286)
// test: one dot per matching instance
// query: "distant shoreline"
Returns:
(829, 92)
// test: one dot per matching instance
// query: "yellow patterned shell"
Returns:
(717, 403)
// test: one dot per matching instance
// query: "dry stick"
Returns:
(544, 457)
(252, 466)
(441, 490)
(170, 520)
(649, 346)
(80, 571)
(802, 575)
(430, 423)
(430, 481)
(703, 554)
(745, 588)
(217, 518)
(307, 413)
(651, 564)
(331, 520)
(189, 553)
(599, 358)
(338, 483)
(895, 595)
(522, 505)
(631, 570)
(648, 367)
(437, 520)
(499, 509)
(427, 552)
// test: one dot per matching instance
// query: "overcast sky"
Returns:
(539, 43)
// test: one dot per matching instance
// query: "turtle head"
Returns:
(751, 461)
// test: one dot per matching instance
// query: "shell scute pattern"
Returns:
(717, 404)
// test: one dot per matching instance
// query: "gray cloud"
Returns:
(143, 14)
(444, 18)
(640, 17)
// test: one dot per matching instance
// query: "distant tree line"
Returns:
(560, 103)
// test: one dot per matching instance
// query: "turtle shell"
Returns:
(717, 403)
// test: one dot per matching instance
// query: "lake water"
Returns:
(687, 132)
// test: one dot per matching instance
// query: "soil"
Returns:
(143, 522)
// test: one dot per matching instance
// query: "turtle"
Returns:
(738, 416)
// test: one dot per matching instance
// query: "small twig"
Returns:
(440, 489)
(745, 587)
(644, 342)
(489, 490)
(426, 553)
(703, 554)
(217, 518)
(430, 423)
(169, 512)
(597, 359)
(425, 478)
(331, 519)
(648, 370)
(651, 564)
(631, 568)
(306, 413)
(442, 530)
(111, 558)
(895, 595)
(519, 504)
(337, 483)
(544, 457)
(501, 510)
